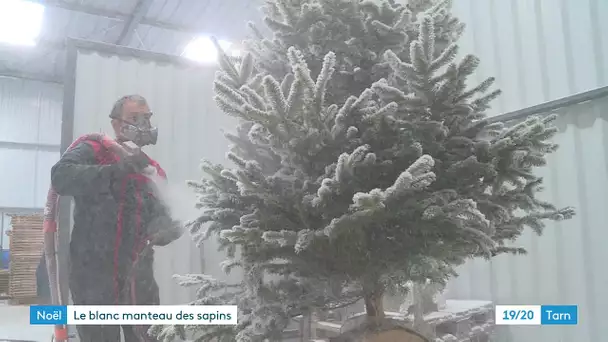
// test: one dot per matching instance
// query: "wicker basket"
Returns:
(26, 246)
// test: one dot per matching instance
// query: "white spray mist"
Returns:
(178, 197)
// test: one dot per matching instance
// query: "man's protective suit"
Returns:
(117, 218)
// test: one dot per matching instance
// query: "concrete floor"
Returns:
(15, 325)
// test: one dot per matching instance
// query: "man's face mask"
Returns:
(139, 131)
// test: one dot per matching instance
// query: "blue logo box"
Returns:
(559, 314)
(48, 314)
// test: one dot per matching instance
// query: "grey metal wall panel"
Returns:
(566, 264)
(189, 130)
(30, 123)
(539, 50)
(30, 111)
(25, 177)
(18, 171)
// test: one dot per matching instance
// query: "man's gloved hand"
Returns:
(163, 231)
(130, 164)
(133, 163)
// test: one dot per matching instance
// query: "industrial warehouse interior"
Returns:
(322, 170)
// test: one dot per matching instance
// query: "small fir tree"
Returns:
(363, 160)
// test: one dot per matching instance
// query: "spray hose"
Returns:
(49, 228)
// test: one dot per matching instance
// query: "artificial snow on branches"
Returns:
(363, 161)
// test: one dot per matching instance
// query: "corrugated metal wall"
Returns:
(189, 130)
(566, 264)
(538, 50)
(30, 126)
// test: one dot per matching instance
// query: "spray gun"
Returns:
(131, 148)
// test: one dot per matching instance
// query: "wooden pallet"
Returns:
(26, 246)
(26, 301)
(4, 280)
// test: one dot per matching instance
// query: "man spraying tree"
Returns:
(118, 216)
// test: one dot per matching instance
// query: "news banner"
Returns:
(227, 315)
(133, 315)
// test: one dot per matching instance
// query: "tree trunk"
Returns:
(374, 308)
(375, 327)
(308, 327)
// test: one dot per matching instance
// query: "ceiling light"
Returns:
(203, 50)
(20, 22)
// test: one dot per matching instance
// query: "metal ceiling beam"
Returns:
(16, 210)
(114, 15)
(551, 106)
(42, 45)
(22, 74)
(48, 44)
(29, 146)
(139, 13)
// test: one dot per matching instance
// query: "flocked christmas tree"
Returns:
(363, 161)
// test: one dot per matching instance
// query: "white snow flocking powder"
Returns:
(177, 197)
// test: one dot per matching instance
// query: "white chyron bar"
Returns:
(134, 315)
